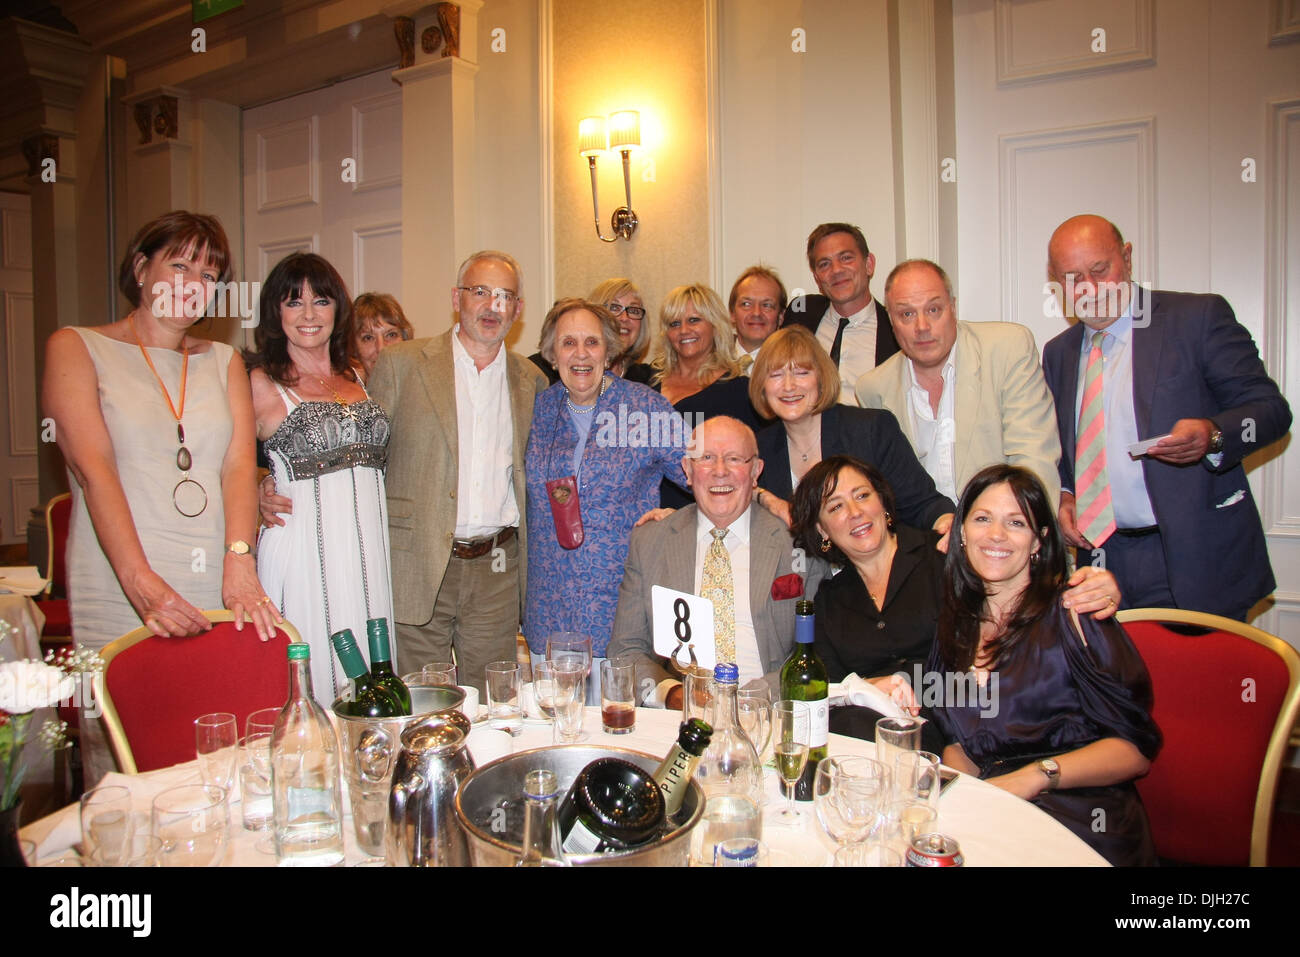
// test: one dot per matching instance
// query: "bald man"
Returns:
(1177, 525)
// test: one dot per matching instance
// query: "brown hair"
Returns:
(830, 229)
(763, 272)
(610, 290)
(176, 232)
(286, 281)
(793, 344)
(608, 328)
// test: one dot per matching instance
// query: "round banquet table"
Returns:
(994, 828)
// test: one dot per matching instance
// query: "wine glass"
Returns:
(106, 823)
(848, 793)
(217, 745)
(193, 824)
(754, 705)
(790, 720)
(544, 689)
(440, 672)
(570, 646)
(570, 700)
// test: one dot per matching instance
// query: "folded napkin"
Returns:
(860, 691)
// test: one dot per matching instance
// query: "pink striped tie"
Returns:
(1096, 517)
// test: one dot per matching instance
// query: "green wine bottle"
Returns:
(368, 699)
(381, 663)
(803, 678)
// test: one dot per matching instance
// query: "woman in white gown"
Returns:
(325, 564)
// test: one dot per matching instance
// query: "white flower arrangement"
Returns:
(25, 686)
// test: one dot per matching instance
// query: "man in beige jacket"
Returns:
(460, 406)
(966, 394)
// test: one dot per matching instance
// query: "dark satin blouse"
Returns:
(1057, 693)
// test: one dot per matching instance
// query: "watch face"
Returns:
(1050, 766)
(239, 548)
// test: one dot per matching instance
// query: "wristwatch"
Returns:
(1053, 771)
(1216, 441)
(241, 548)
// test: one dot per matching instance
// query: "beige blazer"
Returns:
(1002, 407)
(416, 384)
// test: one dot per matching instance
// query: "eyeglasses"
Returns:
(634, 312)
(480, 293)
(731, 460)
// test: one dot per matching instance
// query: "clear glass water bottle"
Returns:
(730, 765)
(307, 798)
(541, 821)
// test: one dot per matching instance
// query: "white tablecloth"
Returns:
(993, 827)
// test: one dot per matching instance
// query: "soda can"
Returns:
(934, 850)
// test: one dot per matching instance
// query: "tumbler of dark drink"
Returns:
(618, 695)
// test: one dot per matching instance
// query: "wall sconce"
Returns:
(624, 136)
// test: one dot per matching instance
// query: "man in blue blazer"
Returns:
(1178, 525)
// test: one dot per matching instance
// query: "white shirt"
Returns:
(935, 434)
(485, 496)
(857, 348)
(737, 544)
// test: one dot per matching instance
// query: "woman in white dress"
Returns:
(156, 428)
(325, 564)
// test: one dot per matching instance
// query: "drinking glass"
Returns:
(894, 735)
(697, 694)
(618, 695)
(754, 705)
(904, 820)
(255, 781)
(570, 646)
(848, 793)
(916, 778)
(790, 721)
(502, 678)
(261, 721)
(570, 700)
(442, 672)
(544, 689)
(217, 745)
(193, 824)
(106, 822)
(872, 854)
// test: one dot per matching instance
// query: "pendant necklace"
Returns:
(189, 497)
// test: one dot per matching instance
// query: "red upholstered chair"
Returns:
(153, 688)
(54, 603)
(1226, 702)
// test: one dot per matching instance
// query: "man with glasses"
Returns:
(757, 300)
(851, 326)
(460, 405)
(740, 557)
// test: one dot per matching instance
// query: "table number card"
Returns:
(681, 619)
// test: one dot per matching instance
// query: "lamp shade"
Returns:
(624, 130)
(591, 136)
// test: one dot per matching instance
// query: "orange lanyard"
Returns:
(185, 366)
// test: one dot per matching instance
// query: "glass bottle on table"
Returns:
(803, 678)
(369, 700)
(381, 663)
(541, 846)
(306, 794)
(613, 806)
(730, 764)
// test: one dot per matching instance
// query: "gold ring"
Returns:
(266, 600)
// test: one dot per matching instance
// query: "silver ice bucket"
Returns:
(369, 749)
(490, 808)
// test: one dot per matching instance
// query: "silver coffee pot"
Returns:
(422, 829)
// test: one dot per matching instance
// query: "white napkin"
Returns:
(22, 580)
(488, 744)
(860, 691)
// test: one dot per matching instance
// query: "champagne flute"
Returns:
(790, 746)
(544, 688)
(754, 704)
(216, 741)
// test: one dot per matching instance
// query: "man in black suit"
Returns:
(851, 325)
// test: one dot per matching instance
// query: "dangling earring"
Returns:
(1033, 559)
(825, 545)
(889, 521)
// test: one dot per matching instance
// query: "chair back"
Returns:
(58, 518)
(153, 688)
(1226, 702)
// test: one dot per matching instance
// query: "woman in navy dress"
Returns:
(1058, 709)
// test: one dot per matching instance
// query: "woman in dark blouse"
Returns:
(696, 366)
(794, 381)
(1061, 710)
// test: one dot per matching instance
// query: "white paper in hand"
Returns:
(1139, 449)
(677, 618)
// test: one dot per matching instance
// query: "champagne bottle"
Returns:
(306, 795)
(541, 846)
(612, 806)
(381, 663)
(803, 678)
(674, 775)
(368, 699)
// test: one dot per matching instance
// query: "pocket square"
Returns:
(787, 586)
(1232, 499)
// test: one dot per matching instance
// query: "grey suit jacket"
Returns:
(415, 382)
(1003, 410)
(663, 553)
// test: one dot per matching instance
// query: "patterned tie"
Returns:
(839, 341)
(745, 362)
(1096, 517)
(716, 585)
